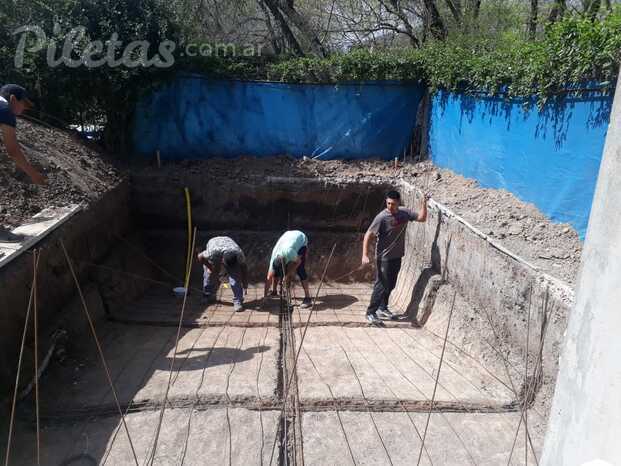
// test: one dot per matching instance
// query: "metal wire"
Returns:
(200, 385)
(446, 389)
(433, 397)
(405, 411)
(338, 413)
(19, 361)
(151, 455)
(379, 435)
(390, 388)
(36, 354)
(506, 367)
(527, 393)
(448, 423)
(180, 365)
(464, 352)
(131, 402)
(109, 449)
(100, 350)
(288, 382)
(198, 388)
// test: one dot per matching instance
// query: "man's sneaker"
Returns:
(385, 314)
(306, 303)
(372, 318)
(238, 307)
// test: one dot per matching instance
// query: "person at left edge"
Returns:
(13, 102)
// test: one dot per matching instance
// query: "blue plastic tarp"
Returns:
(194, 117)
(548, 157)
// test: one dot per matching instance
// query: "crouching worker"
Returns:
(288, 258)
(222, 251)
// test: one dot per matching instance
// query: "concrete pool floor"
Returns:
(361, 393)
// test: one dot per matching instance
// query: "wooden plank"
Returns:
(35, 230)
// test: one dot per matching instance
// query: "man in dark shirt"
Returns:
(389, 229)
(13, 101)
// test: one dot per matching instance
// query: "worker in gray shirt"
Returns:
(389, 228)
(222, 251)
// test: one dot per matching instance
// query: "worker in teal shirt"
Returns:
(288, 258)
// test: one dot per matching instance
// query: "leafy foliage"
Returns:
(568, 54)
(77, 94)
(574, 51)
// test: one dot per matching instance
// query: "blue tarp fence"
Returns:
(549, 157)
(194, 117)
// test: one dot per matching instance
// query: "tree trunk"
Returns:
(274, 39)
(435, 25)
(398, 11)
(474, 10)
(300, 22)
(557, 11)
(532, 19)
(454, 7)
(272, 5)
(592, 8)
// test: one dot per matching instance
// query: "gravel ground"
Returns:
(75, 173)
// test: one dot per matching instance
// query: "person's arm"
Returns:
(422, 214)
(203, 260)
(244, 275)
(199, 257)
(268, 282)
(271, 278)
(15, 152)
(365, 247)
(372, 232)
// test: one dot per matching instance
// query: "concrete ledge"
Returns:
(500, 284)
(35, 230)
(566, 291)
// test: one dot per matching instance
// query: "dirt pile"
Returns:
(75, 173)
(519, 226)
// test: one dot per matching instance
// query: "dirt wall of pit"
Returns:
(91, 237)
(500, 287)
(253, 203)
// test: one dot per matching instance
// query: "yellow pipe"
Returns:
(189, 256)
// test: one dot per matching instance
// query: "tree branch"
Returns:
(272, 5)
(286, 6)
(435, 25)
(455, 9)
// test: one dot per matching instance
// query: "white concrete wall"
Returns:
(585, 423)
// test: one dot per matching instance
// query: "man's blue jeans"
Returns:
(211, 282)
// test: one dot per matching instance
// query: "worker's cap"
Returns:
(18, 91)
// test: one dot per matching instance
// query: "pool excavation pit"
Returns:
(463, 376)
